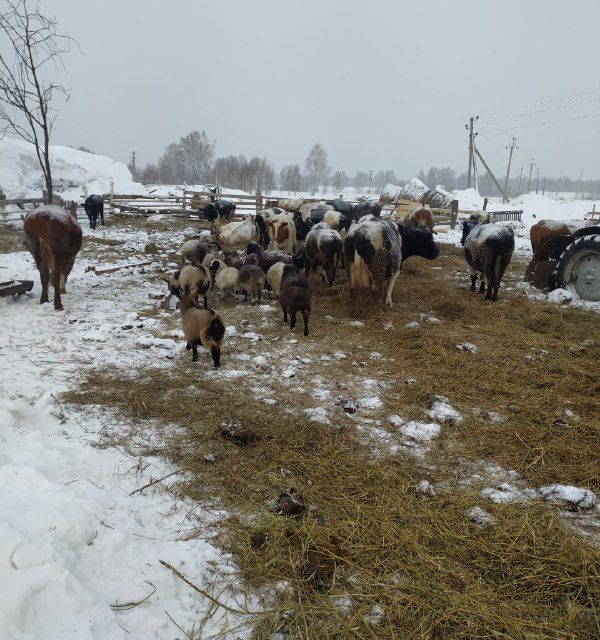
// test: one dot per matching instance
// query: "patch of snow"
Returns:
(420, 431)
(480, 517)
(443, 411)
(395, 420)
(467, 346)
(371, 402)
(412, 325)
(561, 296)
(425, 489)
(317, 414)
(575, 496)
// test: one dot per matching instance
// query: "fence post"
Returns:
(85, 191)
(453, 213)
(2, 202)
(258, 201)
(112, 192)
(183, 200)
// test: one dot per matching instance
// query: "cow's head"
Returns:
(468, 226)
(418, 241)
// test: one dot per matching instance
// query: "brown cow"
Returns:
(420, 216)
(54, 237)
(544, 230)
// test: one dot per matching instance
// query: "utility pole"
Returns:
(512, 147)
(133, 165)
(580, 184)
(370, 181)
(537, 179)
(544, 186)
(530, 172)
(520, 178)
(469, 127)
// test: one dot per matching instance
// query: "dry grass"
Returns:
(366, 538)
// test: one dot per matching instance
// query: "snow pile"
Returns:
(21, 176)
(392, 190)
(414, 189)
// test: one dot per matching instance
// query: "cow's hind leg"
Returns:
(490, 278)
(390, 288)
(56, 279)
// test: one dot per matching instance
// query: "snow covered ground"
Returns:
(74, 544)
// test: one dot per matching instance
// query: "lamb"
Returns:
(295, 295)
(488, 251)
(274, 276)
(192, 281)
(236, 234)
(251, 281)
(224, 278)
(201, 327)
(238, 260)
(193, 251)
(266, 259)
(323, 249)
(211, 256)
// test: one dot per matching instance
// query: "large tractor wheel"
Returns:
(578, 269)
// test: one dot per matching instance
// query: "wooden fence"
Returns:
(13, 209)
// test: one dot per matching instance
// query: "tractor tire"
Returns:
(578, 269)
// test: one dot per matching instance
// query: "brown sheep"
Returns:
(201, 327)
(251, 281)
(192, 281)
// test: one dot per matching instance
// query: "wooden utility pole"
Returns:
(544, 186)
(492, 176)
(133, 165)
(580, 184)
(520, 179)
(469, 127)
(370, 181)
(512, 147)
(530, 172)
(537, 179)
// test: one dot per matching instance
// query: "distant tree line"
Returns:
(192, 160)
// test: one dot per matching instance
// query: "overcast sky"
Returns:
(380, 83)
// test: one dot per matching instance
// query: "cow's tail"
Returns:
(360, 277)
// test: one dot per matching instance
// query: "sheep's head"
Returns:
(173, 283)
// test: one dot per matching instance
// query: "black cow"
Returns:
(366, 207)
(219, 209)
(94, 207)
(344, 207)
(417, 241)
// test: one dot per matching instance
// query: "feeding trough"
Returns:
(15, 287)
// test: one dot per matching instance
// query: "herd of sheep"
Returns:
(279, 248)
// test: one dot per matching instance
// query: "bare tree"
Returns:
(317, 168)
(291, 178)
(339, 180)
(29, 44)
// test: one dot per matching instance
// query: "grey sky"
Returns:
(380, 83)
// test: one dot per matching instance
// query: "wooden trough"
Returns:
(15, 287)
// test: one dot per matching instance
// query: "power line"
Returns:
(531, 113)
(538, 124)
(536, 104)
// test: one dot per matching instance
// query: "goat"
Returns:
(295, 295)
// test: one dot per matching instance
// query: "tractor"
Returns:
(567, 260)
